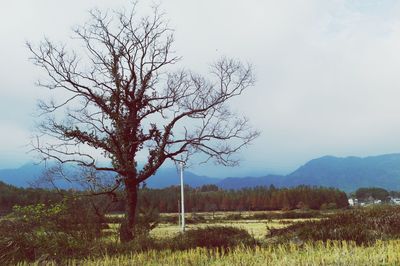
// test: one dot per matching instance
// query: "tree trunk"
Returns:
(127, 229)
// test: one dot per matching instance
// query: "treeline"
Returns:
(372, 193)
(375, 193)
(205, 198)
(211, 198)
(10, 196)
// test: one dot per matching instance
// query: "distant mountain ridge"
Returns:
(350, 173)
(347, 174)
(25, 175)
(22, 176)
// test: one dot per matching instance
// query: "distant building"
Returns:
(371, 201)
(395, 201)
(353, 202)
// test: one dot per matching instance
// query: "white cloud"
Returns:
(327, 71)
(14, 142)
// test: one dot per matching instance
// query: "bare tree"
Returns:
(125, 97)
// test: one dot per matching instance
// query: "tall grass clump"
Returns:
(212, 237)
(363, 226)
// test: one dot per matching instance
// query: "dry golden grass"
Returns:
(257, 228)
(330, 253)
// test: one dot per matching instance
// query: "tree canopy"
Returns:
(126, 96)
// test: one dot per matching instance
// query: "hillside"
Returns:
(241, 182)
(25, 175)
(22, 176)
(347, 174)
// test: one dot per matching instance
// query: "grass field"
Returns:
(256, 227)
(266, 252)
(331, 253)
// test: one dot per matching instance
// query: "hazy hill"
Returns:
(241, 182)
(165, 177)
(350, 173)
(22, 176)
(169, 177)
(347, 174)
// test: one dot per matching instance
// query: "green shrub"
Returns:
(36, 231)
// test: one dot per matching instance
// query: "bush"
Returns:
(213, 237)
(363, 226)
(38, 231)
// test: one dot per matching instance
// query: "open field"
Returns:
(330, 253)
(269, 249)
(256, 227)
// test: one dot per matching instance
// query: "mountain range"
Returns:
(347, 174)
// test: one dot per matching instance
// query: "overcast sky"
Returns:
(328, 72)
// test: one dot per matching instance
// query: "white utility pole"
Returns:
(182, 199)
(179, 213)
